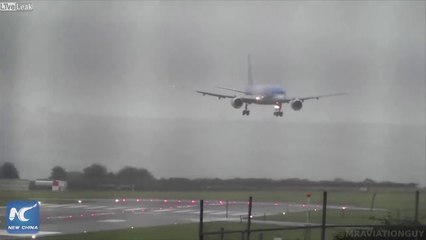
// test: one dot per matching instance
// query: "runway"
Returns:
(107, 214)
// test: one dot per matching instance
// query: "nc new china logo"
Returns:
(23, 217)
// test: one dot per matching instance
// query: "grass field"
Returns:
(400, 205)
(188, 232)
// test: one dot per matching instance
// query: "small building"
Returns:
(58, 185)
(54, 185)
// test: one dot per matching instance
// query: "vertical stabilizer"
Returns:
(250, 74)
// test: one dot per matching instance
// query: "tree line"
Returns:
(97, 177)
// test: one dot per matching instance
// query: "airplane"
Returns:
(263, 95)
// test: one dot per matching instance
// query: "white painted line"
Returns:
(40, 233)
(116, 208)
(104, 214)
(133, 209)
(59, 217)
(163, 210)
(46, 205)
(183, 211)
(112, 220)
(238, 214)
(95, 207)
(76, 206)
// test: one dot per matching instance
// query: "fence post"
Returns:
(324, 212)
(222, 234)
(201, 226)
(226, 208)
(416, 211)
(372, 202)
(249, 217)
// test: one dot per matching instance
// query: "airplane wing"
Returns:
(219, 96)
(234, 90)
(314, 97)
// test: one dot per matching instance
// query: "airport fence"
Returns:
(387, 229)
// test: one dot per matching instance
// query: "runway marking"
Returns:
(112, 220)
(76, 206)
(104, 214)
(133, 209)
(47, 205)
(95, 207)
(185, 206)
(237, 213)
(208, 211)
(183, 211)
(115, 208)
(163, 210)
(59, 217)
(40, 233)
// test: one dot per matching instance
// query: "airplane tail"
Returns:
(250, 75)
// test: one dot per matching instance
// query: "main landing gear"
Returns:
(278, 112)
(246, 111)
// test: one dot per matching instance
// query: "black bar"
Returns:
(249, 217)
(416, 211)
(201, 227)
(324, 214)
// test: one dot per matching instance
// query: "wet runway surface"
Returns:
(108, 214)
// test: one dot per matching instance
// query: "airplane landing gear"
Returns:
(246, 111)
(278, 112)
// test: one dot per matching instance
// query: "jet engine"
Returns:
(237, 102)
(296, 104)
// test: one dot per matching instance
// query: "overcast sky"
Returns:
(113, 83)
